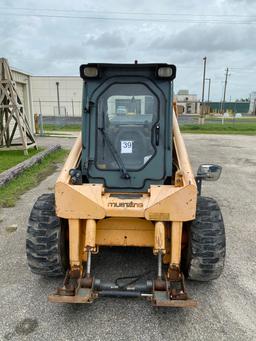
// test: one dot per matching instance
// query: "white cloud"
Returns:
(58, 45)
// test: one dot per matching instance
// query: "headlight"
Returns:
(90, 72)
(165, 72)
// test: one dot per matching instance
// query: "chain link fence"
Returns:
(58, 109)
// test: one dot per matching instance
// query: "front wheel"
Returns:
(204, 258)
(47, 242)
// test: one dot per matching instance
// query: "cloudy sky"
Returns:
(53, 37)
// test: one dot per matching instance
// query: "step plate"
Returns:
(83, 296)
(189, 303)
(160, 299)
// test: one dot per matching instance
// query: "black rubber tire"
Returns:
(46, 243)
(205, 255)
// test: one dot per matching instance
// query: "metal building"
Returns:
(58, 96)
(235, 107)
(188, 102)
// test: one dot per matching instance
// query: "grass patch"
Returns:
(57, 133)
(66, 127)
(226, 128)
(10, 158)
(30, 178)
(236, 119)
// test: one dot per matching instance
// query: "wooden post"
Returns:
(15, 132)
(36, 119)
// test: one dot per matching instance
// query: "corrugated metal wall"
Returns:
(237, 107)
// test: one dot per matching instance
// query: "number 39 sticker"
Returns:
(126, 147)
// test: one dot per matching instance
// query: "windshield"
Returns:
(126, 114)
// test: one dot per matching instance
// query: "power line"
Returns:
(130, 19)
(179, 66)
(130, 12)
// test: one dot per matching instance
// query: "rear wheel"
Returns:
(46, 244)
(205, 255)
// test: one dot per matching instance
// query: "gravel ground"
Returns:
(65, 142)
(227, 307)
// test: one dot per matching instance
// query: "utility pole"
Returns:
(73, 111)
(225, 87)
(202, 106)
(225, 90)
(41, 126)
(58, 97)
(209, 90)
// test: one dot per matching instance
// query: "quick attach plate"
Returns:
(83, 295)
(161, 299)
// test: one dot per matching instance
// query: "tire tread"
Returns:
(44, 253)
(207, 244)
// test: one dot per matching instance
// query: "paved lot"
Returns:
(66, 142)
(227, 307)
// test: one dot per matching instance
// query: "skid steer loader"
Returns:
(128, 182)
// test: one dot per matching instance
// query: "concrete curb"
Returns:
(13, 172)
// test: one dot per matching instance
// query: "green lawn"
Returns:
(226, 128)
(236, 119)
(11, 158)
(67, 127)
(30, 178)
(229, 127)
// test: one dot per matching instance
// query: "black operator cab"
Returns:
(127, 125)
